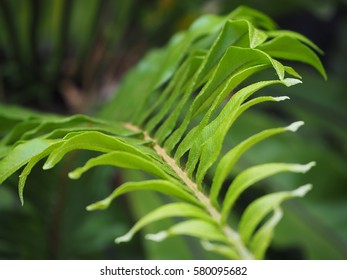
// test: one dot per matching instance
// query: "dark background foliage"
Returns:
(69, 56)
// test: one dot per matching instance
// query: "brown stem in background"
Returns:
(58, 209)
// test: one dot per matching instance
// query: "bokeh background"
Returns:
(69, 56)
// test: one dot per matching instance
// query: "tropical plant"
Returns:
(170, 118)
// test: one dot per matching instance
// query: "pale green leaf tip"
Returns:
(74, 175)
(303, 168)
(21, 199)
(90, 207)
(100, 205)
(124, 238)
(295, 126)
(157, 237)
(47, 165)
(291, 82)
(301, 191)
(281, 98)
(21, 188)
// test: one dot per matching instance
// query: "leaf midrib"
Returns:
(232, 235)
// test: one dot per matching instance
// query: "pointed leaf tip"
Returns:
(100, 205)
(47, 166)
(157, 237)
(281, 98)
(21, 199)
(74, 175)
(301, 191)
(291, 82)
(303, 168)
(124, 238)
(295, 126)
(90, 207)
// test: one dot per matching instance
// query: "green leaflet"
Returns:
(295, 35)
(170, 249)
(229, 159)
(167, 211)
(124, 160)
(194, 227)
(173, 92)
(263, 236)
(291, 71)
(254, 16)
(32, 162)
(244, 33)
(52, 127)
(184, 92)
(20, 155)
(94, 141)
(288, 47)
(252, 175)
(16, 133)
(161, 186)
(258, 209)
(234, 33)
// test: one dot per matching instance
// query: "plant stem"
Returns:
(230, 233)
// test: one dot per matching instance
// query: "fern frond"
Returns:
(170, 119)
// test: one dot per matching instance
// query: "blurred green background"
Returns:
(68, 56)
